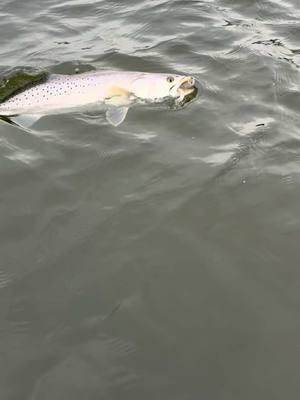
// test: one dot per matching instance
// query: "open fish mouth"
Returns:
(187, 82)
(186, 87)
(187, 96)
(186, 92)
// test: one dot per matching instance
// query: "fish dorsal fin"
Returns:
(26, 120)
(116, 115)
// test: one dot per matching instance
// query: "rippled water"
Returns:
(158, 260)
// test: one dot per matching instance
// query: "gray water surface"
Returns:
(160, 259)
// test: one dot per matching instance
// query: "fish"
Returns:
(115, 91)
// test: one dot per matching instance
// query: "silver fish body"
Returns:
(115, 90)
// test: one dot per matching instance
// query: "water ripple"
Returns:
(197, 211)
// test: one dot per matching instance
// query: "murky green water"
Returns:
(158, 260)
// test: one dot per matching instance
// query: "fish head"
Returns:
(160, 87)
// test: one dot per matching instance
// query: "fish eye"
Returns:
(170, 79)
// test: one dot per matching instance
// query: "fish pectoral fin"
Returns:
(118, 91)
(116, 115)
(26, 120)
(118, 97)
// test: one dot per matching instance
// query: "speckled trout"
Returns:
(116, 91)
